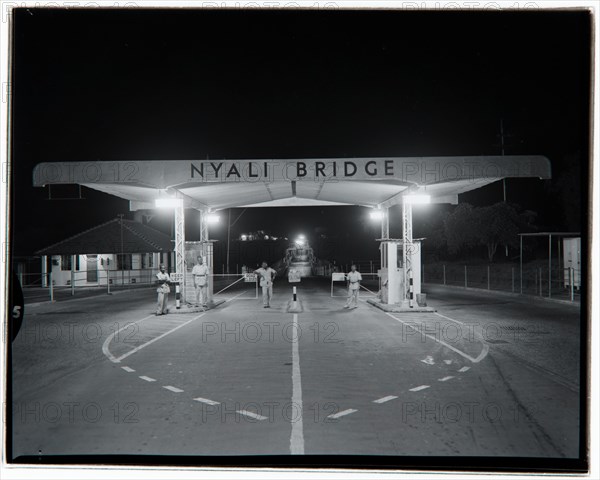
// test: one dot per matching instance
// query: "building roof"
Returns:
(220, 184)
(106, 238)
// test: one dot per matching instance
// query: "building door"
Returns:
(92, 268)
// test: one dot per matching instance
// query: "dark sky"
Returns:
(143, 85)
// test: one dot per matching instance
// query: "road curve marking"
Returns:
(144, 345)
(105, 349)
(481, 356)
(385, 399)
(297, 435)
(342, 413)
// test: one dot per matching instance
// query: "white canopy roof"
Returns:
(219, 184)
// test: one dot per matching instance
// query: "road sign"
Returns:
(249, 277)
(176, 277)
(294, 276)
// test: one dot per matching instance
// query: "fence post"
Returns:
(513, 279)
(51, 286)
(465, 276)
(108, 282)
(72, 282)
(488, 275)
(444, 273)
(571, 281)
(541, 284)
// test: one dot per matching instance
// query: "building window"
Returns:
(65, 262)
(124, 261)
(77, 262)
(150, 260)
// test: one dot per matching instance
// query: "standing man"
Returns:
(354, 279)
(163, 290)
(267, 275)
(200, 275)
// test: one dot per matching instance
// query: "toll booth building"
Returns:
(118, 252)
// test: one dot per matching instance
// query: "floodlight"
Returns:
(376, 214)
(417, 199)
(168, 202)
(212, 218)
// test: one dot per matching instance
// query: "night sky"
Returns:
(158, 85)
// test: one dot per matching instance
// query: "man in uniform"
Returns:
(200, 275)
(163, 290)
(354, 279)
(267, 275)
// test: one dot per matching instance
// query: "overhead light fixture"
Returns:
(244, 237)
(212, 218)
(168, 202)
(376, 214)
(417, 199)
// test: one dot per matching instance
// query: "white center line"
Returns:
(342, 413)
(251, 414)
(445, 379)
(143, 345)
(206, 400)
(173, 389)
(128, 369)
(297, 436)
(385, 399)
(420, 387)
(148, 379)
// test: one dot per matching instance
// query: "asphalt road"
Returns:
(483, 376)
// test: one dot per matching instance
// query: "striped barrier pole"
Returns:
(411, 291)
(177, 296)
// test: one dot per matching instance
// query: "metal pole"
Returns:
(571, 281)
(513, 278)
(521, 263)
(444, 273)
(465, 276)
(51, 285)
(488, 275)
(541, 287)
(108, 281)
(550, 266)
(228, 235)
(72, 275)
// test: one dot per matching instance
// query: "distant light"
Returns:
(168, 202)
(417, 199)
(300, 241)
(212, 218)
(301, 237)
(376, 214)
(266, 237)
(244, 237)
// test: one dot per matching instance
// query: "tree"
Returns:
(491, 226)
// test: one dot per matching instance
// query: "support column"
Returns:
(207, 254)
(180, 244)
(385, 224)
(407, 246)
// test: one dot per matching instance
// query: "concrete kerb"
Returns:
(87, 297)
(521, 296)
(397, 308)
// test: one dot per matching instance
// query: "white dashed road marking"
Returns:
(420, 387)
(251, 414)
(385, 399)
(148, 379)
(464, 369)
(128, 369)
(207, 401)
(445, 379)
(173, 389)
(342, 413)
